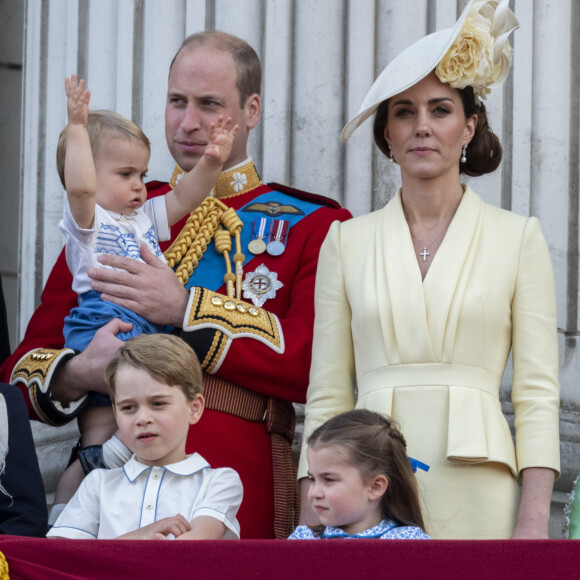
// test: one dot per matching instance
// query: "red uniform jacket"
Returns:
(282, 373)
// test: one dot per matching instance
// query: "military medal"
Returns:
(257, 244)
(261, 285)
(278, 237)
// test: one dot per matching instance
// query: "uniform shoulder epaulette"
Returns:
(306, 196)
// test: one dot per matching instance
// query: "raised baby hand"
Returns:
(221, 140)
(77, 104)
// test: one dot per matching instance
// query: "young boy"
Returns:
(102, 160)
(155, 383)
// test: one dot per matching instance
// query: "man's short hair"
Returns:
(103, 126)
(246, 61)
(165, 357)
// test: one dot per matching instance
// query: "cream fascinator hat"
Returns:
(476, 52)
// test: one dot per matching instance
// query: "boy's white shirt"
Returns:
(113, 502)
(84, 246)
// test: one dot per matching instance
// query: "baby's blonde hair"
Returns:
(103, 126)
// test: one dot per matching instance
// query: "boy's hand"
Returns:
(221, 140)
(77, 104)
(159, 530)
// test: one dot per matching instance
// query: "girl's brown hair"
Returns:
(375, 446)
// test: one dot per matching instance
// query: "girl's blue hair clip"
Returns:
(415, 464)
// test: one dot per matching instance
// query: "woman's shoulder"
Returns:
(362, 220)
(361, 223)
(499, 213)
(510, 223)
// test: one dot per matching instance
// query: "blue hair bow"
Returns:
(415, 464)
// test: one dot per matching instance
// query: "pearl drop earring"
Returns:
(464, 154)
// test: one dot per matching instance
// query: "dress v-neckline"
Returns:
(426, 310)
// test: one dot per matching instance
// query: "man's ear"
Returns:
(253, 108)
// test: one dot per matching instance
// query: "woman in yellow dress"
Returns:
(419, 304)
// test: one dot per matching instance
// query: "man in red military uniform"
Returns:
(243, 296)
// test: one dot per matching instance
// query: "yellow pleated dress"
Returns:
(431, 353)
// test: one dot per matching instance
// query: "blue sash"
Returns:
(211, 268)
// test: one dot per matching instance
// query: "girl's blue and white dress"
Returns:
(386, 530)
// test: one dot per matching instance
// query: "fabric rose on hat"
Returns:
(480, 57)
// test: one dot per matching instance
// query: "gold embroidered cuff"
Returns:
(35, 370)
(234, 318)
(215, 353)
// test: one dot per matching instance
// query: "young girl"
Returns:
(361, 481)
